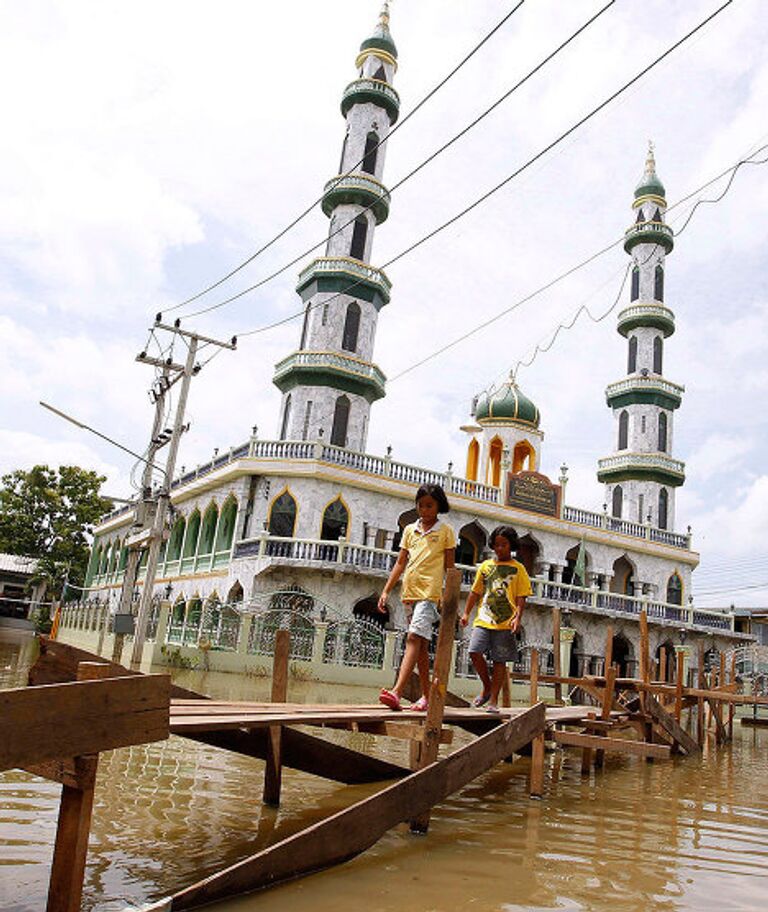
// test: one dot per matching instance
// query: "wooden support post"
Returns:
(679, 686)
(506, 691)
(608, 648)
(273, 772)
(439, 683)
(586, 754)
(731, 706)
(700, 736)
(537, 767)
(662, 675)
(534, 698)
(556, 648)
(645, 671)
(605, 713)
(71, 846)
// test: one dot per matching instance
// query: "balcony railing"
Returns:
(333, 361)
(379, 562)
(643, 461)
(649, 232)
(355, 269)
(646, 384)
(374, 90)
(357, 187)
(651, 311)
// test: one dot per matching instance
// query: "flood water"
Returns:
(685, 834)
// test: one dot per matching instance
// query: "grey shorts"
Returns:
(422, 617)
(497, 645)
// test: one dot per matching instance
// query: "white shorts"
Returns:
(422, 618)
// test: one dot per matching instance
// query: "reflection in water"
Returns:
(681, 835)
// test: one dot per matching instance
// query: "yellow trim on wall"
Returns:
(473, 459)
(375, 52)
(340, 497)
(285, 490)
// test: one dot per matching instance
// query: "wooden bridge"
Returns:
(56, 730)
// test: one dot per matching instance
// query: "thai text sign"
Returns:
(534, 492)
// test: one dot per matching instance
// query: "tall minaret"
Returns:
(641, 476)
(328, 385)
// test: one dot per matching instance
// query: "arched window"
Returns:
(340, 422)
(634, 293)
(286, 417)
(663, 432)
(208, 531)
(663, 507)
(617, 502)
(359, 234)
(473, 456)
(380, 74)
(523, 457)
(371, 151)
(177, 537)
(335, 521)
(226, 530)
(623, 430)
(495, 451)
(658, 348)
(657, 215)
(658, 283)
(282, 516)
(632, 359)
(351, 327)
(304, 328)
(193, 533)
(675, 590)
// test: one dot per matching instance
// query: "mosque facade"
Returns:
(311, 512)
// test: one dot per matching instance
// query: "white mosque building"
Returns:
(312, 513)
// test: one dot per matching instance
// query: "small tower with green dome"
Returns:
(505, 436)
(330, 382)
(641, 476)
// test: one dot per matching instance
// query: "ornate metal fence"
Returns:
(356, 643)
(261, 639)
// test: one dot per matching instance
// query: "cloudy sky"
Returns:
(148, 148)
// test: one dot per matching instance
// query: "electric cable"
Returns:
(496, 188)
(341, 177)
(408, 176)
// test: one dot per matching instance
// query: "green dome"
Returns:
(649, 185)
(507, 403)
(381, 39)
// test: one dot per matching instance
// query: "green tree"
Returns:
(49, 514)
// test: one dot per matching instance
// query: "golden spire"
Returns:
(650, 161)
(384, 14)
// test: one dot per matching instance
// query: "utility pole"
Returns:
(158, 520)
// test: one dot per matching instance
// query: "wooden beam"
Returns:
(405, 731)
(671, 726)
(351, 831)
(645, 671)
(607, 706)
(439, 684)
(732, 682)
(608, 648)
(537, 767)
(556, 647)
(65, 720)
(700, 707)
(308, 753)
(273, 773)
(617, 745)
(679, 675)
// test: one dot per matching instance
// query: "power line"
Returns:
(495, 189)
(430, 158)
(354, 168)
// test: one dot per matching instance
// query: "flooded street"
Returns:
(687, 835)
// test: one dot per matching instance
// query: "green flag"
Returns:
(580, 567)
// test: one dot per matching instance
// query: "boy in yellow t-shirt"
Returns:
(503, 584)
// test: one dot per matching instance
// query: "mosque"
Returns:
(312, 513)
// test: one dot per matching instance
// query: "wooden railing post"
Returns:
(556, 647)
(439, 684)
(273, 772)
(534, 696)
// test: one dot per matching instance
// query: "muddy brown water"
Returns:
(687, 834)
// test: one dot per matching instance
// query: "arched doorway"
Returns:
(495, 451)
(527, 553)
(623, 581)
(403, 520)
(470, 544)
(570, 574)
(622, 656)
(367, 609)
(523, 457)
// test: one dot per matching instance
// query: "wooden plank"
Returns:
(670, 725)
(733, 684)
(608, 648)
(439, 684)
(645, 671)
(351, 831)
(556, 620)
(62, 720)
(700, 702)
(402, 730)
(308, 753)
(273, 772)
(679, 675)
(65, 772)
(617, 745)
(607, 706)
(662, 675)
(716, 707)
